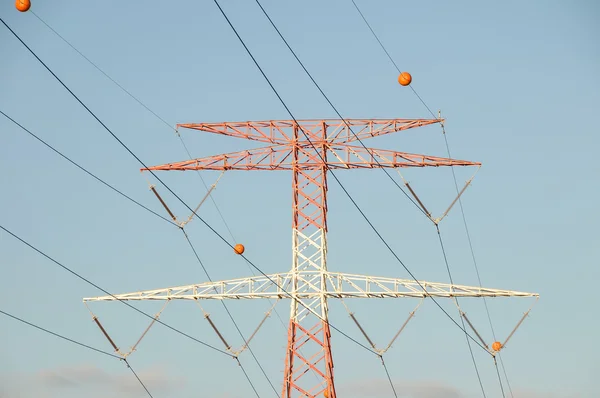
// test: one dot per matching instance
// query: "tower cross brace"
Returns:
(309, 148)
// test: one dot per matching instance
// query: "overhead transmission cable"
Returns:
(146, 208)
(79, 344)
(153, 113)
(283, 290)
(455, 185)
(129, 305)
(59, 335)
(184, 146)
(459, 314)
(247, 344)
(339, 182)
(200, 218)
(132, 96)
(216, 232)
(136, 100)
(137, 377)
(188, 206)
(84, 169)
(182, 141)
(134, 201)
(89, 282)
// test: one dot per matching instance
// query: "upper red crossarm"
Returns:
(273, 132)
(340, 132)
(286, 131)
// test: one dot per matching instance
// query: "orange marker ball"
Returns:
(239, 248)
(326, 394)
(23, 5)
(496, 346)
(404, 78)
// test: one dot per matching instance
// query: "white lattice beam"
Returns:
(341, 285)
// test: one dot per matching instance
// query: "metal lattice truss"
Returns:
(285, 131)
(277, 286)
(280, 157)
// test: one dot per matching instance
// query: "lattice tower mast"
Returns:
(309, 281)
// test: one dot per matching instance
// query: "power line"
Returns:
(457, 191)
(338, 115)
(338, 181)
(163, 121)
(137, 377)
(184, 202)
(487, 310)
(459, 314)
(459, 199)
(59, 335)
(499, 379)
(186, 149)
(136, 99)
(389, 377)
(85, 170)
(126, 196)
(333, 107)
(166, 186)
(101, 71)
(79, 344)
(168, 125)
(388, 55)
(292, 117)
(229, 313)
(247, 377)
(134, 201)
(108, 293)
(129, 305)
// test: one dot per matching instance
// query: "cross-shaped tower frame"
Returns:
(309, 148)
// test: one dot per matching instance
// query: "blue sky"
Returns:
(517, 81)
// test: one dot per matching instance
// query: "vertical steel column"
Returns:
(309, 264)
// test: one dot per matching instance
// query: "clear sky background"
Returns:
(517, 81)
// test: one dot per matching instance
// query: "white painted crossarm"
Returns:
(362, 286)
(340, 285)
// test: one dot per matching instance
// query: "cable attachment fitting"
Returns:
(441, 121)
(496, 345)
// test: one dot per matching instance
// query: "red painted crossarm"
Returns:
(358, 157)
(339, 132)
(280, 157)
(276, 157)
(282, 131)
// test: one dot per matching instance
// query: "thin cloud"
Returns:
(90, 376)
(89, 381)
(380, 388)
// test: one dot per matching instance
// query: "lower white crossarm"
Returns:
(339, 285)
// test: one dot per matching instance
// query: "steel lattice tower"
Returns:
(309, 148)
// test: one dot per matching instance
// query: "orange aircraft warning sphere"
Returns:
(239, 248)
(496, 346)
(404, 78)
(23, 5)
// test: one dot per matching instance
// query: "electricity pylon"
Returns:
(309, 148)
